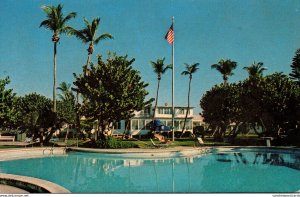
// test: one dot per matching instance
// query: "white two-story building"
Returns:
(141, 122)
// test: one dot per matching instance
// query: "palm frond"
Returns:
(79, 34)
(214, 66)
(46, 23)
(194, 67)
(185, 72)
(103, 37)
(190, 69)
(94, 26)
(255, 69)
(47, 10)
(55, 19)
(170, 66)
(158, 66)
(69, 16)
(167, 68)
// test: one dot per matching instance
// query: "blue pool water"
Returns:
(234, 171)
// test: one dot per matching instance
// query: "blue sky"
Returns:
(205, 31)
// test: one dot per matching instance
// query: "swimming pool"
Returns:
(234, 170)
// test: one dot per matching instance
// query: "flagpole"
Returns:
(173, 111)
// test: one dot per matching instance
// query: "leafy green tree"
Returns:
(88, 35)
(255, 70)
(159, 69)
(189, 70)
(271, 103)
(111, 92)
(251, 102)
(281, 103)
(221, 108)
(295, 74)
(57, 23)
(225, 67)
(36, 117)
(7, 110)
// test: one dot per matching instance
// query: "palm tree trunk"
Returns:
(225, 78)
(54, 79)
(78, 115)
(88, 60)
(155, 106)
(188, 109)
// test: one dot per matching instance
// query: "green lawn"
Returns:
(186, 142)
(9, 146)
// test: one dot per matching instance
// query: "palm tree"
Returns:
(57, 23)
(159, 69)
(225, 67)
(68, 99)
(255, 70)
(66, 92)
(189, 70)
(88, 35)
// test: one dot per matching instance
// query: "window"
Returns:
(176, 124)
(169, 123)
(160, 110)
(168, 110)
(145, 112)
(165, 110)
(188, 125)
(181, 124)
(141, 124)
(134, 124)
(180, 111)
(148, 124)
(117, 125)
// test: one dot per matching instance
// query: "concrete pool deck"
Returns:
(7, 189)
(24, 184)
(23, 153)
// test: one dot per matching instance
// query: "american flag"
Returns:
(170, 35)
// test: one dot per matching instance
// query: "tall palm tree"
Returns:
(189, 70)
(255, 70)
(159, 69)
(88, 35)
(57, 23)
(225, 67)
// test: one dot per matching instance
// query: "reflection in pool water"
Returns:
(236, 171)
(275, 159)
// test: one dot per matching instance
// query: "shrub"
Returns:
(110, 142)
